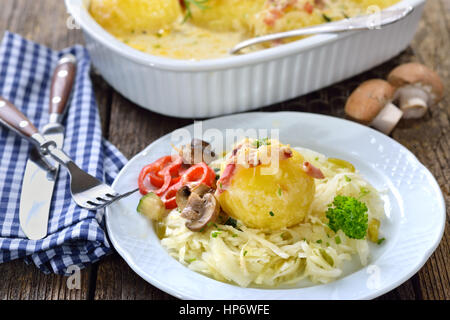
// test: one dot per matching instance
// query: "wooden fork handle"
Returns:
(62, 82)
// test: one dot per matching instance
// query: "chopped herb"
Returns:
(271, 213)
(209, 224)
(328, 244)
(231, 222)
(363, 192)
(279, 192)
(316, 158)
(380, 241)
(319, 241)
(234, 235)
(191, 260)
(201, 4)
(215, 234)
(338, 240)
(349, 215)
(245, 253)
(347, 178)
(261, 142)
(326, 18)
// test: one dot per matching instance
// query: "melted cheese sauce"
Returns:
(185, 41)
(160, 27)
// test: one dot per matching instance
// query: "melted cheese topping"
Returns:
(209, 30)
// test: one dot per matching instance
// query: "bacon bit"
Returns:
(308, 7)
(312, 171)
(319, 4)
(272, 16)
(225, 178)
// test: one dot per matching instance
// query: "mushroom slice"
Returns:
(182, 197)
(200, 211)
(371, 104)
(185, 192)
(197, 151)
(418, 88)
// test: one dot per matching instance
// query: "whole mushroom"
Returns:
(198, 206)
(197, 151)
(418, 88)
(371, 104)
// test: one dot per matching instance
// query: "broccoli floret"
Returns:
(349, 215)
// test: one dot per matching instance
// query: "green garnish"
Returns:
(338, 240)
(347, 178)
(191, 260)
(279, 192)
(326, 18)
(234, 235)
(245, 253)
(319, 241)
(349, 215)
(327, 244)
(316, 158)
(231, 222)
(201, 4)
(380, 241)
(363, 192)
(215, 234)
(271, 213)
(261, 142)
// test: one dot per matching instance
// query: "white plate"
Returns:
(413, 228)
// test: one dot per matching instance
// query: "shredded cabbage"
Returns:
(252, 257)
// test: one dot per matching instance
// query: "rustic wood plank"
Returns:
(44, 22)
(25, 282)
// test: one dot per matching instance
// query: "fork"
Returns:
(87, 191)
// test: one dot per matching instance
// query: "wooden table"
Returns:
(131, 128)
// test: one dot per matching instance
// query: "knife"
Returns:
(41, 171)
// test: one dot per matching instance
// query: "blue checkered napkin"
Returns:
(75, 236)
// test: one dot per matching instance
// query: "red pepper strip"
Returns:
(161, 174)
(169, 196)
(195, 175)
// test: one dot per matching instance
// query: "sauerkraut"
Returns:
(310, 250)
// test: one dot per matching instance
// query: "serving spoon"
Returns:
(366, 22)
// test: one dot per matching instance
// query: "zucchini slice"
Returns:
(152, 207)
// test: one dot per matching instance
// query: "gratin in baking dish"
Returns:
(207, 88)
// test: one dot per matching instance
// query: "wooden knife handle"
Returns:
(62, 82)
(16, 120)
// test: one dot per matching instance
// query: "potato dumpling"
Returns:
(269, 202)
(122, 17)
(226, 15)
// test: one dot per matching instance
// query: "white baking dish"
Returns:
(198, 89)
